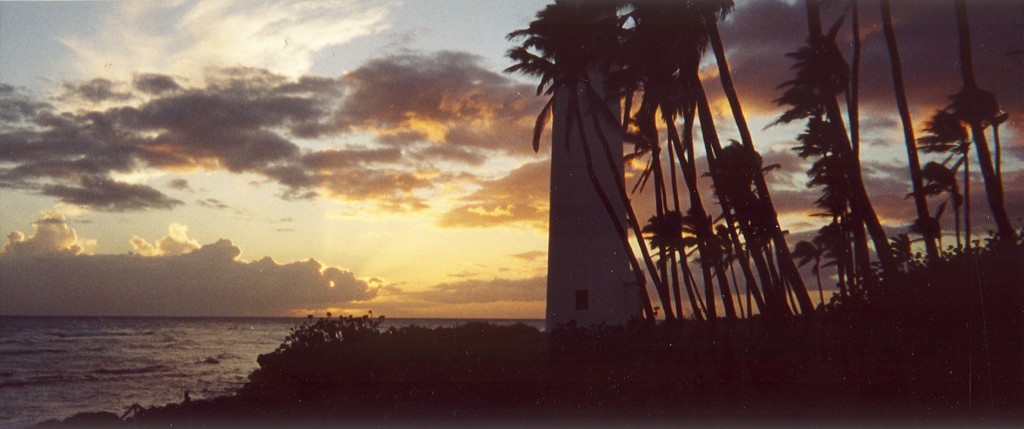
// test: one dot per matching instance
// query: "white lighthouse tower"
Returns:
(589, 278)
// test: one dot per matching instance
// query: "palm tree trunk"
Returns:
(675, 285)
(660, 203)
(704, 232)
(860, 203)
(923, 215)
(700, 311)
(967, 198)
(675, 205)
(853, 105)
(956, 221)
(993, 187)
(999, 157)
(727, 211)
(817, 275)
(860, 240)
(778, 237)
(736, 287)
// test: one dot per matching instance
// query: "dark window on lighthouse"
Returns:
(582, 299)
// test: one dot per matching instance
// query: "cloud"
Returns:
(187, 37)
(175, 243)
(47, 274)
(530, 256)
(51, 235)
(519, 198)
(446, 98)
(179, 184)
(94, 91)
(250, 120)
(104, 194)
(154, 84)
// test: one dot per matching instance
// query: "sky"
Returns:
(270, 158)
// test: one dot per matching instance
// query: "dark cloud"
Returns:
(758, 34)
(181, 280)
(532, 255)
(521, 197)
(446, 98)
(424, 111)
(179, 184)
(17, 107)
(213, 203)
(101, 193)
(94, 91)
(155, 84)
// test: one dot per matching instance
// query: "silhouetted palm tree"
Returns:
(822, 74)
(666, 233)
(927, 226)
(806, 252)
(711, 12)
(940, 179)
(665, 42)
(944, 133)
(977, 107)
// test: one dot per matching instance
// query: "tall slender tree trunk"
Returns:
(778, 237)
(967, 198)
(694, 292)
(853, 107)
(860, 240)
(993, 187)
(675, 206)
(860, 203)
(817, 275)
(956, 220)
(705, 234)
(928, 227)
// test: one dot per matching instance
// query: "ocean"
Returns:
(54, 367)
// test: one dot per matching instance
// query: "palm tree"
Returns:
(571, 41)
(928, 227)
(666, 40)
(711, 12)
(822, 74)
(806, 252)
(860, 241)
(833, 240)
(944, 133)
(976, 107)
(666, 233)
(940, 179)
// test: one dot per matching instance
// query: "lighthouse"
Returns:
(589, 277)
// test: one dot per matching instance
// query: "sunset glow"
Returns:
(208, 158)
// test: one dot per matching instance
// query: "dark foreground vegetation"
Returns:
(943, 344)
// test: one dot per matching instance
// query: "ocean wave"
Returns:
(46, 379)
(24, 352)
(127, 371)
(90, 334)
